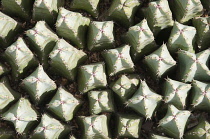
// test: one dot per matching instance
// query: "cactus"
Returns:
(129, 126)
(8, 29)
(123, 11)
(94, 127)
(141, 40)
(3, 69)
(124, 87)
(65, 59)
(201, 131)
(38, 85)
(7, 94)
(193, 66)
(176, 93)
(20, 58)
(118, 60)
(200, 95)
(202, 25)
(47, 10)
(160, 62)
(184, 10)
(181, 37)
(91, 76)
(64, 104)
(100, 101)
(100, 35)
(20, 8)
(159, 16)
(72, 26)
(91, 6)
(206, 4)
(22, 115)
(43, 40)
(174, 122)
(144, 101)
(153, 136)
(50, 128)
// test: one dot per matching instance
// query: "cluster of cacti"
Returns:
(104, 69)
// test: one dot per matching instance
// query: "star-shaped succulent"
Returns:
(181, 37)
(159, 16)
(123, 11)
(145, 101)
(38, 85)
(91, 76)
(200, 95)
(160, 62)
(201, 131)
(100, 35)
(174, 122)
(91, 6)
(94, 127)
(128, 126)
(141, 40)
(184, 10)
(64, 104)
(176, 93)
(42, 40)
(3, 69)
(20, 58)
(118, 60)
(64, 59)
(72, 26)
(50, 128)
(193, 66)
(22, 115)
(100, 101)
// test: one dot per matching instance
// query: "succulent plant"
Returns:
(38, 85)
(125, 87)
(181, 37)
(200, 95)
(22, 115)
(42, 40)
(174, 122)
(50, 128)
(8, 29)
(118, 60)
(193, 66)
(7, 94)
(94, 127)
(65, 59)
(100, 35)
(129, 126)
(141, 40)
(206, 4)
(72, 26)
(91, 76)
(91, 6)
(100, 101)
(123, 11)
(201, 131)
(47, 10)
(159, 16)
(160, 62)
(184, 10)
(176, 93)
(202, 25)
(153, 136)
(144, 101)
(20, 8)
(64, 104)
(3, 69)
(20, 58)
